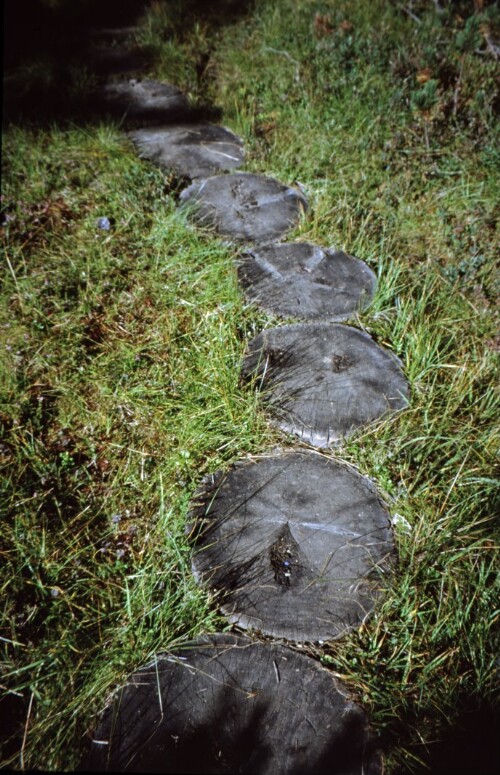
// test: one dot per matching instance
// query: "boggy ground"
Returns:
(121, 349)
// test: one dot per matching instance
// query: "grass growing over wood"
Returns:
(120, 355)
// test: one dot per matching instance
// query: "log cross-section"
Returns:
(295, 544)
(227, 704)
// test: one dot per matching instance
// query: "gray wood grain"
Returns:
(322, 381)
(302, 280)
(144, 100)
(226, 704)
(291, 542)
(244, 206)
(194, 150)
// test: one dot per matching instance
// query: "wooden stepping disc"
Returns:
(292, 542)
(144, 100)
(116, 61)
(298, 279)
(194, 150)
(225, 704)
(324, 380)
(112, 34)
(245, 206)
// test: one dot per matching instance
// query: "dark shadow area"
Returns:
(57, 54)
(226, 743)
(204, 748)
(13, 710)
(358, 753)
(233, 710)
(471, 746)
(47, 74)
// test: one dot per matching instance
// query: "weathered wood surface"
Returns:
(302, 280)
(113, 51)
(192, 150)
(291, 542)
(226, 704)
(322, 381)
(244, 206)
(143, 100)
(116, 61)
(112, 35)
(295, 542)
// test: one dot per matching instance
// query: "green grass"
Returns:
(120, 357)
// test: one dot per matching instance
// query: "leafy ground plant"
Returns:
(121, 350)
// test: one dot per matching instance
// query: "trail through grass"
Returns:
(121, 350)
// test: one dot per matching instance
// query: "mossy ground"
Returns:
(121, 349)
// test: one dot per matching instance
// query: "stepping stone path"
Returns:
(322, 381)
(294, 542)
(244, 206)
(297, 279)
(144, 100)
(227, 704)
(110, 55)
(190, 150)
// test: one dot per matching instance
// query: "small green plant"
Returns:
(426, 98)
(425, 102)
(66, 461)
(469, 38)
